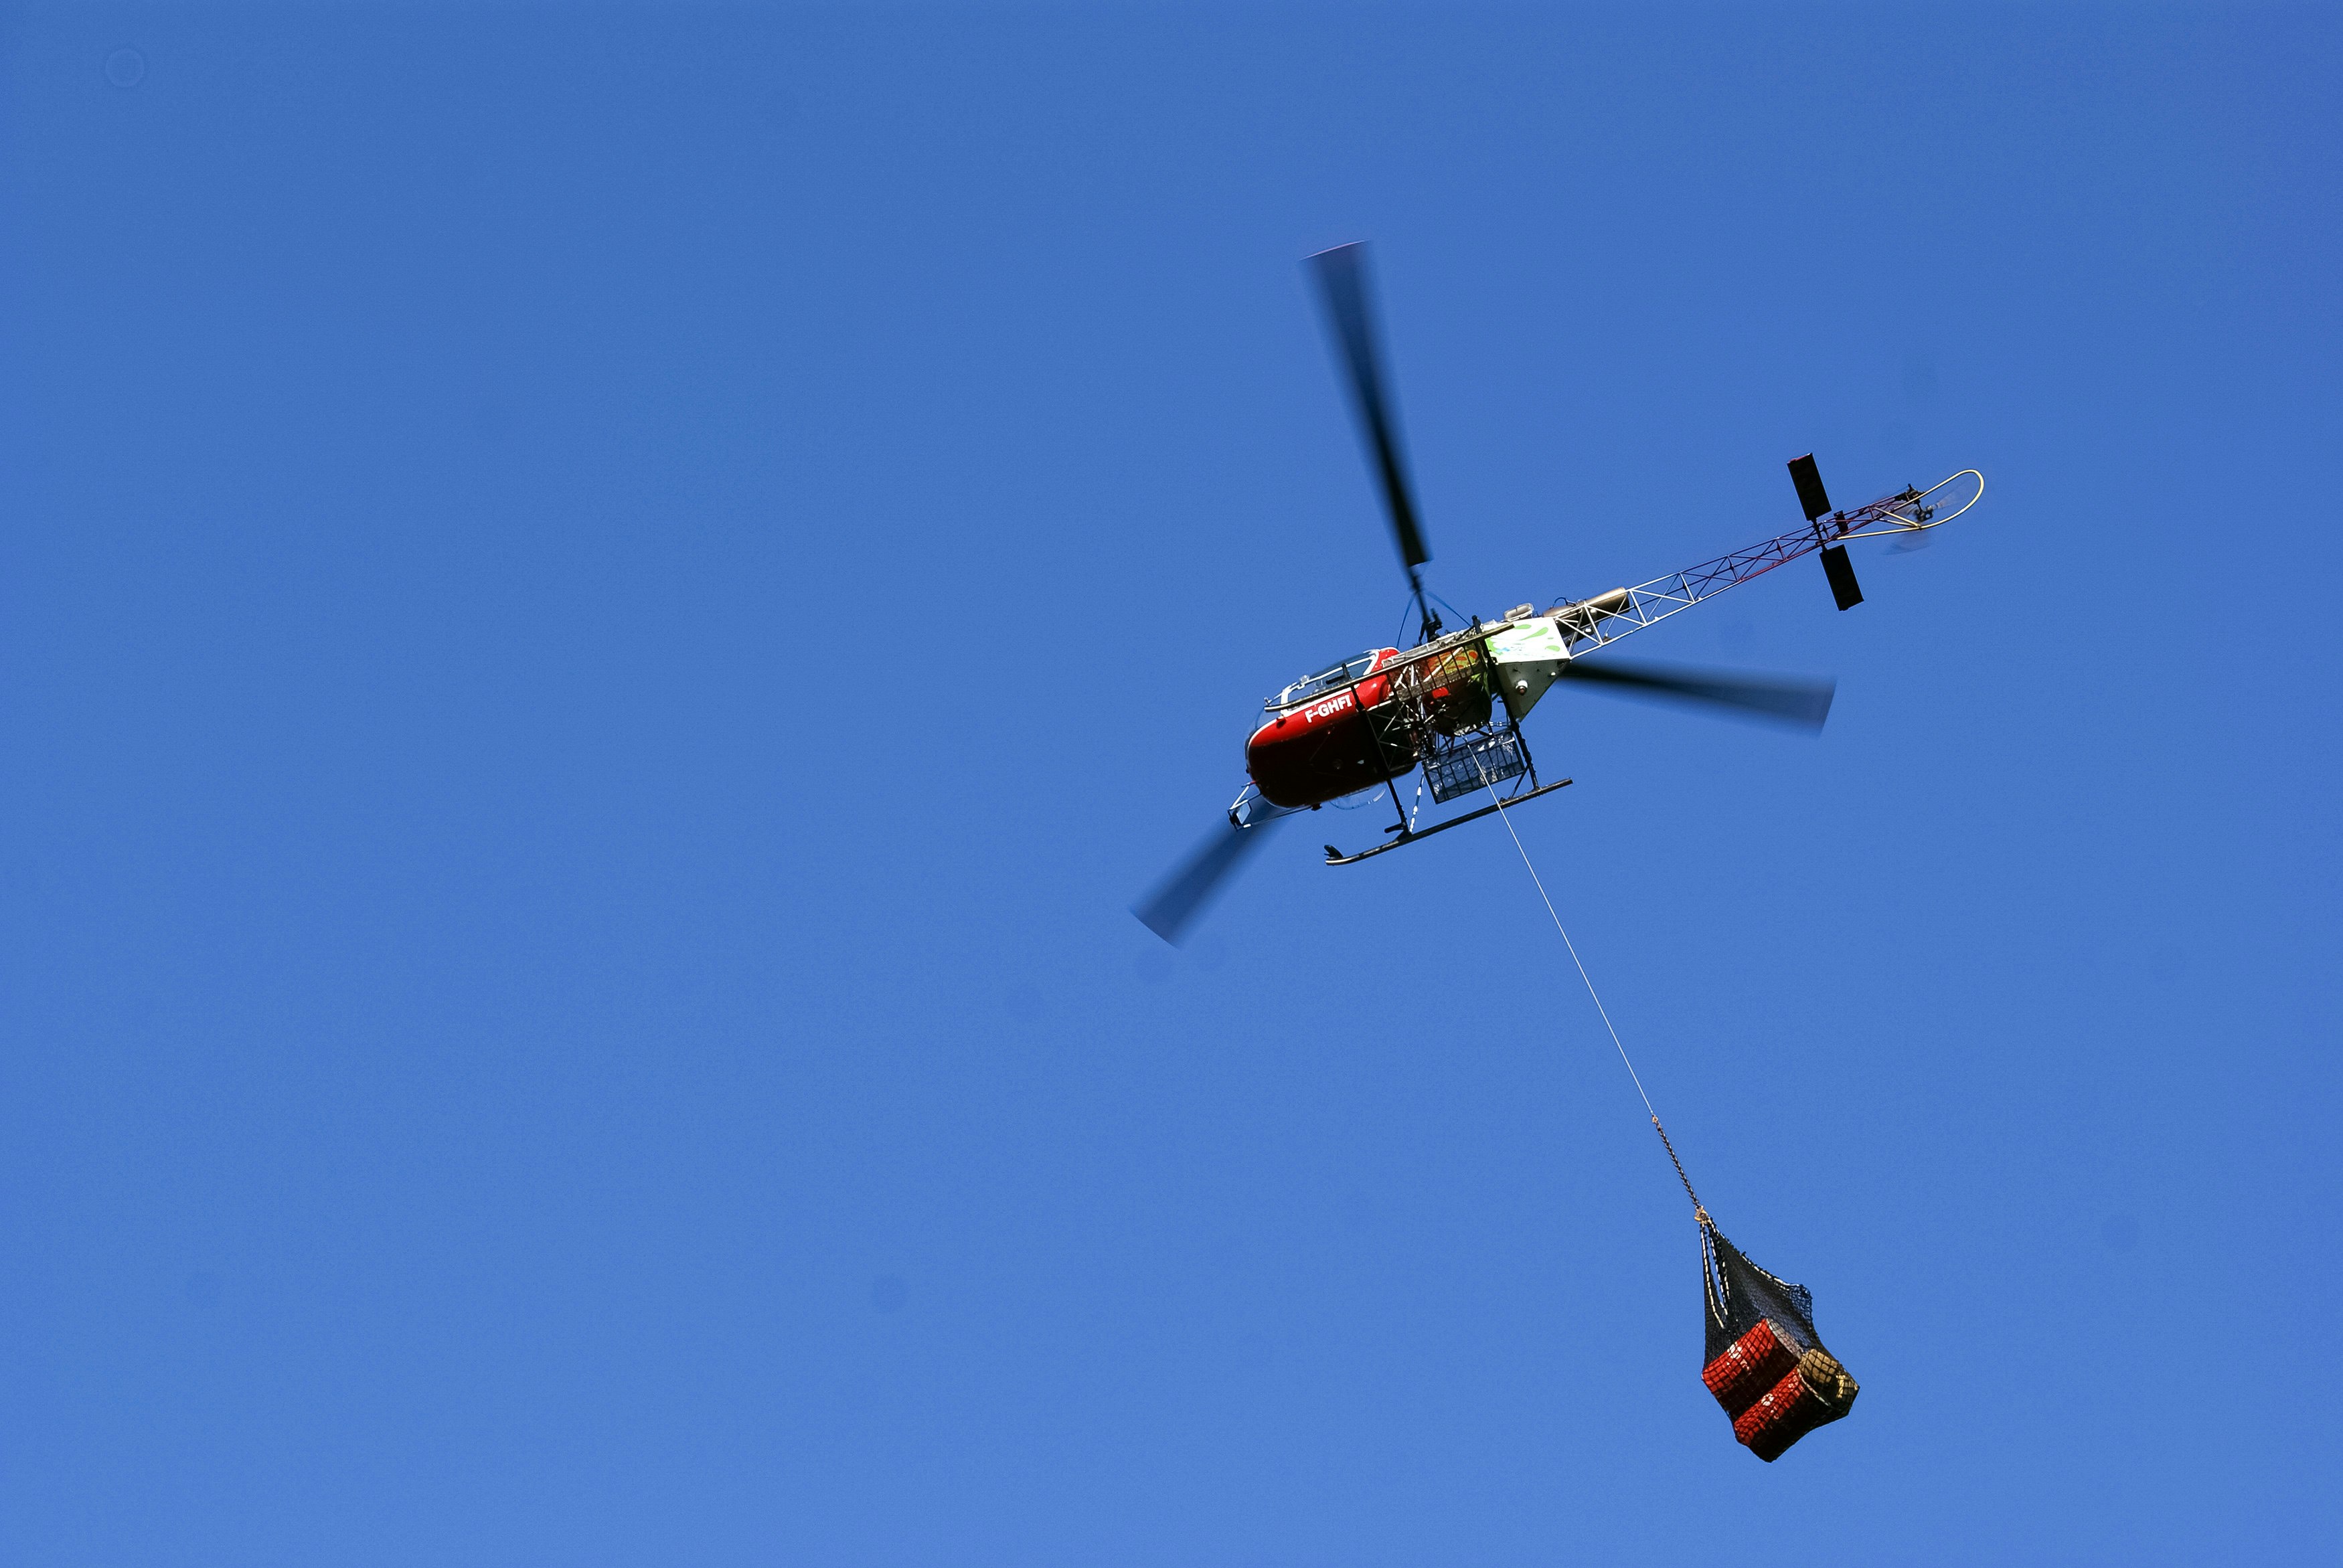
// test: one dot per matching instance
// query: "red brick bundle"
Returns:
(1775, 1392)
(1749, 1368)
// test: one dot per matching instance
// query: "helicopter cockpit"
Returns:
(1327, 679)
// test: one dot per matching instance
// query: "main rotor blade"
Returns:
(1804, 703)
(1181, 896)
(1342, 282)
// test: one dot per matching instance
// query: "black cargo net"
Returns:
(1764, 1361)
(1741, 1295)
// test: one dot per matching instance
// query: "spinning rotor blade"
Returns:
(1342, 281)
(1181, 896)
(1804, 703)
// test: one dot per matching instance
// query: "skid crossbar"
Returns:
(1336, 858)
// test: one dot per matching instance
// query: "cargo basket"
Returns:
(1462, 766)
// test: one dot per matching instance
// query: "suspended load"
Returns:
(1765, 1364)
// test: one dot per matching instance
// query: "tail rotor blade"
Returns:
(1175, 902)
(1845, 590)
(1815, 501)
(1808, 478)
(1780, 699)
(1342, 283)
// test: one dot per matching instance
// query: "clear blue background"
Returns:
(601, 612)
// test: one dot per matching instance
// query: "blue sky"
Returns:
(603, 610)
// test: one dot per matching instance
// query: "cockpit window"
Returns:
(1326, 680)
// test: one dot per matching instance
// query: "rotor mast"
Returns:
(1427, 622)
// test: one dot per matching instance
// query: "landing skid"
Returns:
(1336, 858)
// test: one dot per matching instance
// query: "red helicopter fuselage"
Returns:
(1320, 748)
(1359, 724)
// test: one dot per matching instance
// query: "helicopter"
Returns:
(1451, 706)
